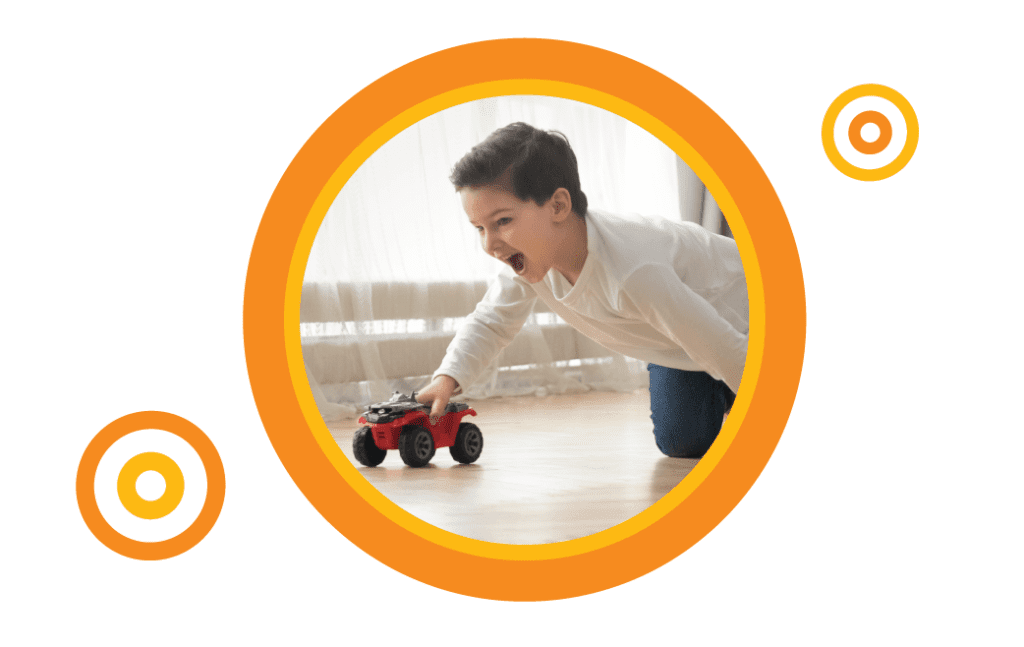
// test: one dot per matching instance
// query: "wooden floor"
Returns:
(552, 469)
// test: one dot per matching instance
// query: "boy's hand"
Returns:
(439, 392)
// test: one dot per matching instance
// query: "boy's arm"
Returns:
(675, 310)
(490, 328)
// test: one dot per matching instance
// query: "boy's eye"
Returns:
(503, 221)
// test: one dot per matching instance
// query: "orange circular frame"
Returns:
(582, 73)
(86, 480)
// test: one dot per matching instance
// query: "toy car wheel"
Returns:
(469, 442)
(366, 450)
(416, 445)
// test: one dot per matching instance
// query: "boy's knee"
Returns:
(682, 443)
(686, 409)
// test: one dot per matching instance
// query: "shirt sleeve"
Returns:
(676, 311)
(492, 326)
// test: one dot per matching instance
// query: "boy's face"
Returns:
(519, 233)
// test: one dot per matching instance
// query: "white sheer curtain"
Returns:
(395, 266)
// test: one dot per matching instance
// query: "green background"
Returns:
(140, 146)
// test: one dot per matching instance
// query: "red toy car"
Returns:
(402, 423)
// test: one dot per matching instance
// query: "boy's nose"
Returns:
(491, 245)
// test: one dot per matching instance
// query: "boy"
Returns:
(668, 293)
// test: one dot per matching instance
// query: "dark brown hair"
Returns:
(538, 163)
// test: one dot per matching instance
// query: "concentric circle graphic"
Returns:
(175, 481)
(856, 162)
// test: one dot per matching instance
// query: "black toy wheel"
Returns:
(416, 445)
(469, 442)
(366, 450)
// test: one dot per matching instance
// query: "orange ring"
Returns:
(884, 136)
(86, 479)
(269, 313)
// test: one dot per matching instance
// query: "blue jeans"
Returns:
(687, 409)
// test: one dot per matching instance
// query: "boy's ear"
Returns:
(561, 203)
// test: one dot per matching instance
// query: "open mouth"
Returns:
(517, 261)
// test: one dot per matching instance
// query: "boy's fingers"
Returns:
(437, 410)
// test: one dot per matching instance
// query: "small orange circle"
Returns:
(884, 137)
(85, 484)
(174, 485)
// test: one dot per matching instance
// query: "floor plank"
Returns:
(552, 469)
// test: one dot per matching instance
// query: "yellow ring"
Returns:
(129, 494)
(296, 364)
(829, 124)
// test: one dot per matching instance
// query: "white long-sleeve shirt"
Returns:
(669, 293)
